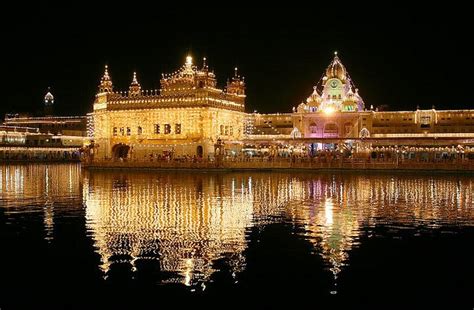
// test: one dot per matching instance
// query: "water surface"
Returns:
(127, 239)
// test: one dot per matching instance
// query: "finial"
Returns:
(189, 60)
(335, 53)
(204, 64)
(235, 71)
(134, 80)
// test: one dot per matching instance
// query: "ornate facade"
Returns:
(335, 113)
(188, 115)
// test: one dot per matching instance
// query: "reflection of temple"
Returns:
(186, 222)
(183, 223)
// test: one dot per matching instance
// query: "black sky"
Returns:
(400, 56)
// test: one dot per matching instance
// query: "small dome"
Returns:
(48, 98)
(350, 96)
(315, 97)
(336, 69)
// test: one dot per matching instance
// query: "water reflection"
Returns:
(183, 223)
(39, 188)
(188, 221)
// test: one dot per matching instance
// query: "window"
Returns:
(226, 130)
(177, 129)
(139, 130)
(167, 129)
(115, 131)
(222, 130)
(122, 131)
(231, 130)
(157, 128)
(129, 131)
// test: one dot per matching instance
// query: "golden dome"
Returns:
(336, 69)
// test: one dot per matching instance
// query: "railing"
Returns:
(293, 163)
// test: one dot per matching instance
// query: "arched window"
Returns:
(222, 130)
(313, 128)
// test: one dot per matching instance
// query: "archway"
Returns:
(120, 151)
(199, 151)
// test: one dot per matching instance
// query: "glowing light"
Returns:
(189, 60)
(329, 110)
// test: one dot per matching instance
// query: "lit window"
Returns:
(231, 130)
(129, 131)
(122, 131)
(167, 129)
(139, 130)
(222, 130)
(226, 130)
(115, 131)
(177, 129)
(157, 128)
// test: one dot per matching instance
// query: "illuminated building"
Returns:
(25, 137)
(188, 115)
(335, 113)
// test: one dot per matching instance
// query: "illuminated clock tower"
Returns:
(337, 92)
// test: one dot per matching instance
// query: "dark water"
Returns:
(159, 240)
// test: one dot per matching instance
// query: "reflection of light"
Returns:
(188, 271)
(328, 205)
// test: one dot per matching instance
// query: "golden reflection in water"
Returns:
(187, 221)
(25, 188)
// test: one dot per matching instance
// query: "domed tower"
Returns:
(135, 87)
(314, 100)
(336, 69)
(337, 93)
(350, 101)
(237, 85)
(48, 103)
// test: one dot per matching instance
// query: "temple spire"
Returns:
(135, 87)
(106, 82)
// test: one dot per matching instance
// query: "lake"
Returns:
(73, 238)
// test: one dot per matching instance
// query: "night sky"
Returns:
(399, 57)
